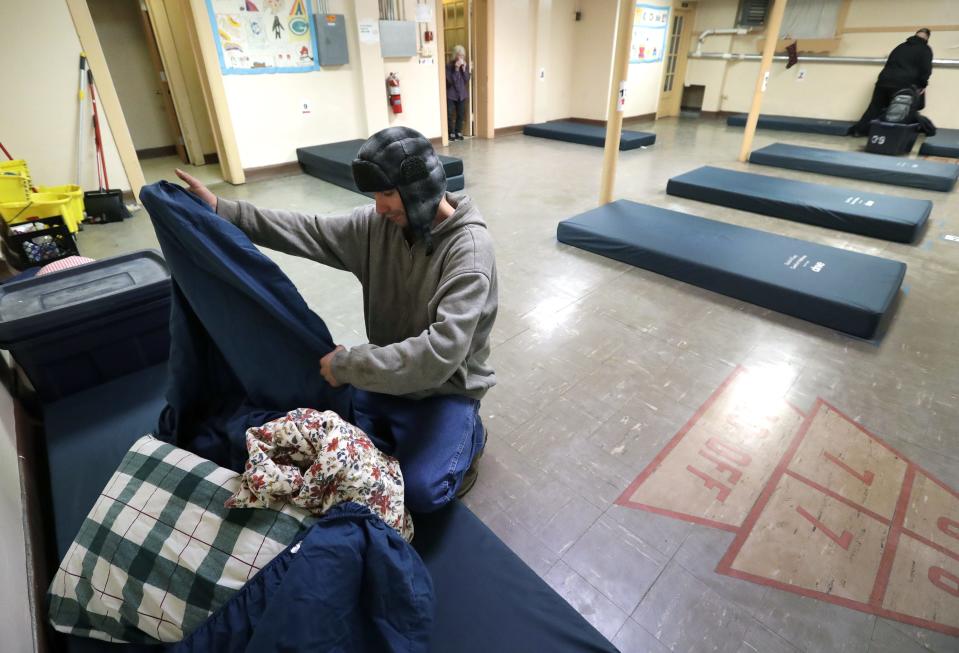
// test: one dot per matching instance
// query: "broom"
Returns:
(105, 204)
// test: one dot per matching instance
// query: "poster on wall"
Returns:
(649, 33)
(263, 36)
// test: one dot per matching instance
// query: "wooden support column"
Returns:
(614, 116)
(774, 20)
(439, 16)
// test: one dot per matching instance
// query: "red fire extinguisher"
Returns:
(393, 91)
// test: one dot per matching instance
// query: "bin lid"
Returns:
(46, 303)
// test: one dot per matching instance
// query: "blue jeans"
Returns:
(435, 439)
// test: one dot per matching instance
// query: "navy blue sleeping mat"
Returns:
(917, 173)
(584, 134)
(794, 124)
(840, 289)
(881, 216)
(487, 599)
(944, 143)
(331, 162)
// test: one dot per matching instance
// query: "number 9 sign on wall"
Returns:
(649, 33)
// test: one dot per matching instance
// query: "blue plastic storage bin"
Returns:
(84, 326)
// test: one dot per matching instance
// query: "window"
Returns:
(752, 13)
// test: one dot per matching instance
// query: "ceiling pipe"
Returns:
(727, 56)
(738, 31)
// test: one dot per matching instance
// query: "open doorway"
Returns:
(153, 67)
(471, 25)
(674, 68)
(457, 31)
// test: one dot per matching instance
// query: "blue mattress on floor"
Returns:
(331, 162)
(584, 134)
(944, 143)
(872, 214)
(917, 173)
(487, 599)
(794, 124)
(840, 289)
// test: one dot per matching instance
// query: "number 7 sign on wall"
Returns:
(834, 512)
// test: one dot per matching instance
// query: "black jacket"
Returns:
(909, 64)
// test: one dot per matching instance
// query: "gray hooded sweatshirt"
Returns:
(428, 318)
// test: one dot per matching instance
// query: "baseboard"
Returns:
(260, 173)
(156, 152)
(210, 159)
(716, 114)
(505, 131)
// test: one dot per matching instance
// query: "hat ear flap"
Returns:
(369, 177)
(413, 169)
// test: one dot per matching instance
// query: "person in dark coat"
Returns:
(909, 64)
(457, 91)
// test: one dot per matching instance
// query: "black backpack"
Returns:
(903, 107)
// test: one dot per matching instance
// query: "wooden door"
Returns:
(456, 31)
(163, 84)
(674, 67)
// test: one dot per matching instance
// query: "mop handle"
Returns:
(80, 98)
(96, 128)
(5, 151)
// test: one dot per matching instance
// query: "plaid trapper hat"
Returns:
(403, 159)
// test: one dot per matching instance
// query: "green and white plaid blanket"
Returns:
(159, 552)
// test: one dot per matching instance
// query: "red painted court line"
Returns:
(892, 540)
(702, 521)
(932, 545)
(869, 434)
(888, 446)
(623, 499)
(725, 565)
(838, 497)
(846, 603)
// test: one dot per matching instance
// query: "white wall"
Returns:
(643, 83)
(40, 51)
(593, 63)
(120, 30)
(836, 91)
(346, 101)
(514, 37)
(576, 58)
(16, 620)
(555, 44)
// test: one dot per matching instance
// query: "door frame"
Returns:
(682, 59)
(482, 26)
(156, 11)
(208, 67)
(163, 83)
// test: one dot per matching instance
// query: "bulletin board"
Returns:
(263, 36)
(649, 33)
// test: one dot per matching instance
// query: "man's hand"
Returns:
(326, 367)
(198, 188)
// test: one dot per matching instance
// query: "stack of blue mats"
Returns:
(917, 173)
(584, 134)
(792, 124)
(944, 143)
(487, 599)
(872, 214)
(331, 162)
(840, 289)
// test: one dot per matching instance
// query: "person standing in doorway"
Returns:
(908, 65)
(457, 92)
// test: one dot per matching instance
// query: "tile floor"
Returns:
(600, 364)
